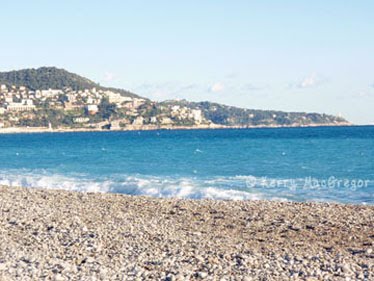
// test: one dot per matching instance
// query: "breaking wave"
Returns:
(218, 188)
(132, 185)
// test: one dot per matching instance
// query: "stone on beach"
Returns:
(61, 235)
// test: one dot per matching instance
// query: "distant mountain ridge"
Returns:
(73, 106)
(236, 116)
(45, 78)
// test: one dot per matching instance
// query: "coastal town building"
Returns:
(116, 98)
(20, 107)
(50, 93)
(81, 120)
(138, 121)
(92, 109)
(9, 99)
(166, 121)
(197, 115)
(3, 88)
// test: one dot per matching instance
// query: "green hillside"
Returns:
(45, 78)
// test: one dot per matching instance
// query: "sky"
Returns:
(314, 56)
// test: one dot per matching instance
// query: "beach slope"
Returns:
(61, 235)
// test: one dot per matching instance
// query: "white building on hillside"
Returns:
(92, 109)
(117, 98)
(18, 106)
(197, 115)
(81, 120)
(51, 93)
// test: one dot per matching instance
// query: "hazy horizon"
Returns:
(289, 56)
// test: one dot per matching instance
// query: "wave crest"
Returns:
(219, 188)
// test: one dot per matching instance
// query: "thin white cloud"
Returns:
(364, 94)
(217, 87)
(311, 81)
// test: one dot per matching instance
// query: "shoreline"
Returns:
(65, 235)
(23, 130)
(84, 192)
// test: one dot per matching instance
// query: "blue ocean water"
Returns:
(334, 164)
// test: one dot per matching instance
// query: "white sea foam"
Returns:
(220, 188)
(53, 181)
(179, 187)
(133, 185)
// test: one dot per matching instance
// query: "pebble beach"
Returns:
(62, 235)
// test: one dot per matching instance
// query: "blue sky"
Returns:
(313, 56)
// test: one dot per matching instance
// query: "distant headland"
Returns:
(53, 99)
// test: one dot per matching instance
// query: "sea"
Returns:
(315, 164)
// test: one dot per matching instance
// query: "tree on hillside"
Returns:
(107, 109)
